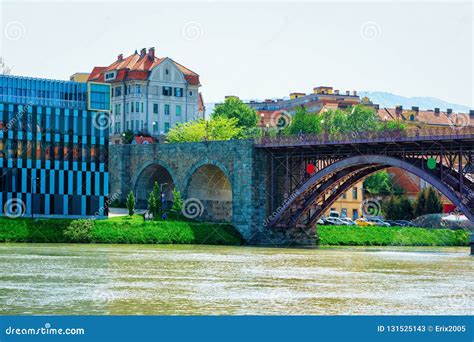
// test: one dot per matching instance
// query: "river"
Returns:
(213, 280)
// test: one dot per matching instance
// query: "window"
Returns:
(127, 107)
(412, 117)
(178, 92)
(355, 214)
(343, 212)
(137, 107)
(117, 109)
(127, 125)
(167, 127)
(137, 127)
(141, 107)
(155, 108)
(138, 89)
(110, 76)
(167, 72)
(118, 91)
(167, 91)
(178, 110)
(190, 93)
(167, 109)
(132, 107)
(354, 193)
(155, 126)
(344, 195)
(131, 123)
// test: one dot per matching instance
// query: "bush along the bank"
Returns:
(390, 236)
(79, 231)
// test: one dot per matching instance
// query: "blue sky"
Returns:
(256, 50)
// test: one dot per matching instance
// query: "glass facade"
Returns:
(53, 149)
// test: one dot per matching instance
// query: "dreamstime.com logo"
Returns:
(192, 208)
(101, 121)
(371, 207)
(459, 120)
(46, 330)
(14, 208)
(280, 119)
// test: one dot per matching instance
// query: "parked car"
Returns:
(334, 213)
(320, 222)
(335, 221)
(378, 222)
(405, 223)
(394, 223)
(363, 222)
(348, 221)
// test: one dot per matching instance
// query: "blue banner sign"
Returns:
(237, 329)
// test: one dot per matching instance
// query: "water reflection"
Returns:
(185, 280)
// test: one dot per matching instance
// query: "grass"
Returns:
(134, 230)
(390, 236)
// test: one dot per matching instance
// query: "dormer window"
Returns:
(110, 76)
(167, 72)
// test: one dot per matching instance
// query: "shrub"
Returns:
(79, 231)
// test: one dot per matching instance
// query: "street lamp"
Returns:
(162, 198)
(33, 181)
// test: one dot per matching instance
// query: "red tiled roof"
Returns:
(201, 106)
(428, 117)
(143, 140)
(135, 67)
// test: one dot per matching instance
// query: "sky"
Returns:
(256, 50)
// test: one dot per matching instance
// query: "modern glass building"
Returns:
(53, 147)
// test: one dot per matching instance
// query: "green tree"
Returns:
(127, 137)
(130, 203)
(177, 202)
(152, 204)
(399, 208)
(157, 196)
(304, 122)
(391, 209)
(420, 203)
(234, 108)
(406, 208)
(433, 202)
(362, 118)
(219, 128)
(379, 183)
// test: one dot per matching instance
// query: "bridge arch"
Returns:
(151, 172)
(209, 182)
(335, 172)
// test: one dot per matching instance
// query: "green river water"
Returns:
(212, 280)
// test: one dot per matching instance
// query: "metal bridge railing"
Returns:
(371, 136)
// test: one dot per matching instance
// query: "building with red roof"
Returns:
(150, 94)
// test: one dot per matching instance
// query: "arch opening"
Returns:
(210, 185)
(146, 181)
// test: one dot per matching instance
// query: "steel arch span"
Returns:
(311, 201)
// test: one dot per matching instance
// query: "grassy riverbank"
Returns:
(134, 230)
(390, 236)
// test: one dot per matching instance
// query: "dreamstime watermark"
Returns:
(280, 119)
(370, 30)
(288, 199)
(192, 208)
(101, 121)
(106, 205)
(46, 330)
(459, 120)
(371, 207)
(14, 208)
(192, 30)
(14, 30)
(16, 118)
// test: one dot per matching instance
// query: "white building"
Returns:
(149, 94)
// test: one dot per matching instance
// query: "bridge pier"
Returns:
(471, 242)
(285, 236)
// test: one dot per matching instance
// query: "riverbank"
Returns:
(134, 230)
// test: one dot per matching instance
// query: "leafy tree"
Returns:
(433, 202)
(406, 208)
(219, 128)
(177, 201)
(127, 137)
(391, 209)
(392, 126)
(399, 208)
(304, 122)
(130, 203)
(234, 108)
(362, 118)
(420, 203)
(157, 195)
(152, 204)
(379, 183)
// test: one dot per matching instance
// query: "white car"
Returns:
(378, 222)
(336, 221)
(348, 221)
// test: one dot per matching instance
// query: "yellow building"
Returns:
(350, 203)
(79, 77)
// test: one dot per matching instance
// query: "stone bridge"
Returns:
(227, 178)
(273, 190)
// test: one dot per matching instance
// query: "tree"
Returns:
(399, 208)
(406, 208)
(152, 204)
(304, 122)
(234, 108)
(433, 202)
(130, 203)
(219, 128)
(177, 202)
(379, 183)
(420, 203)
(127, 137)
(157, 195)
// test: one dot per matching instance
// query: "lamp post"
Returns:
(162, 198)
(33, 191)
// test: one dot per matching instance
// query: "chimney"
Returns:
(376, 107)
(449, 111)
(415, 109)
(336, 91)
(471, 114)
(399, 109)
(348, 92)
(120, 57)
(142, 53)
(151, 52)
(354, 92)
(436, 111)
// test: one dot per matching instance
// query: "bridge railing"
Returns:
(361, 137)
